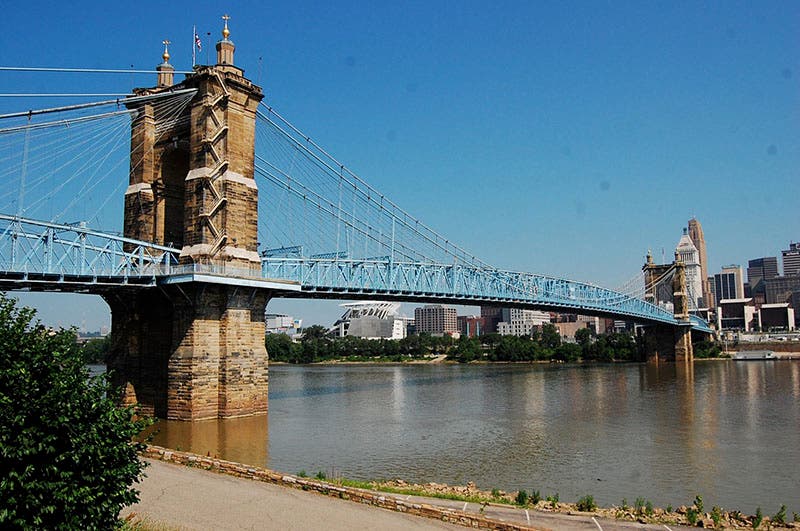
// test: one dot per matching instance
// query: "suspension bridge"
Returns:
(227, 205)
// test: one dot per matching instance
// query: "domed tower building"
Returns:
(690, 256)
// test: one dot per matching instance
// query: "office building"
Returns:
(491, 315)
(737, 314)
(470, 325)
(780, 289)
(276, 323)
(518, 322)
(760, 269)
(729, 284)
(436, 319)
(699, 241)
(791, 259)
(690, 257)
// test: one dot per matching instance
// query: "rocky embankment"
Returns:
(695, 515)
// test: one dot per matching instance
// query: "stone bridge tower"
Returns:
(669, 342)
(193, 348)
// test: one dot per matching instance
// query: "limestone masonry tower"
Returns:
(194, 348)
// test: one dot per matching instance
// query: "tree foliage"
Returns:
(66, 456)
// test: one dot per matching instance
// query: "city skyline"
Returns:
(563, 140)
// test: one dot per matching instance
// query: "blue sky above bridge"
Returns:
(563, 139)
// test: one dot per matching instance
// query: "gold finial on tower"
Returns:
(166, 44)
(225, 31)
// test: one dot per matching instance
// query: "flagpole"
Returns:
(194, 32)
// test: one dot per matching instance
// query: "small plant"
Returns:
(639, 506)
(780, 517)
(648, 508)
(796, 517)
(757, 519)
(669, 508)
(698, 502)
(553, 499)
(536, 497)
(624, 505)
(587, 504)
(495, 493)
(691, 515)
(302, 474)
(716, 515)
(522, 498)
(321, 476)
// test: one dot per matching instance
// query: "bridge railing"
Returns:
(455, 282)
(32, 247)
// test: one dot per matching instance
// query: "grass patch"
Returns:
(368, 485)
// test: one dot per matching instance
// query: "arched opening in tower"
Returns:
(174, 167)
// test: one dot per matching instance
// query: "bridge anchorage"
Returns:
(186, 281)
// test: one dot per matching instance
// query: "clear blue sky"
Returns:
(564, 138)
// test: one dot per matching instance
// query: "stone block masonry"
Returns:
(194, 349)
(191, 352)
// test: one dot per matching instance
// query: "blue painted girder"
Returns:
(462, 284)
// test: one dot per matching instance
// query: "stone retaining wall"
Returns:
(328, 489)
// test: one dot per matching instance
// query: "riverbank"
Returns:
(489, 510)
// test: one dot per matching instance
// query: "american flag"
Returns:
(198, 42)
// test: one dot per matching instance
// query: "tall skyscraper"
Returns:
(791, 259)
(699, 241)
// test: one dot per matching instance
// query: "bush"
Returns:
(758, 518)
(522, 498)
(587, 503)
(65, 447)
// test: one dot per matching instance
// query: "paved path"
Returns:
(191, 498)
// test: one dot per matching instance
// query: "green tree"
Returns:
(66, 454)
(280, 347)
(551, 337)
(583, 336)
(96, 349)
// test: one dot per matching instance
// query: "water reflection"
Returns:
(243, 440)
(666, 431)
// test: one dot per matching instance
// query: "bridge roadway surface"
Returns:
(190, 498)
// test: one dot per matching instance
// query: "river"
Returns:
(726, 430)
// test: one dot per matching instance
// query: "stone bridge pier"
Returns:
(193, 347)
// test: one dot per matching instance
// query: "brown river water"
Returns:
(728, 431)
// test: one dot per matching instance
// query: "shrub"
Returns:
(587, 503)
(302, 474)
(780, 516)
(522, 498)
(639, 506)
(495, 493)
(757, 519)
(553, 499)
(66, 449)
(716, 515)
(536, 497)
(321, 476)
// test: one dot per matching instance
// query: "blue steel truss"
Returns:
(57, 256)
(34, 252)
(461, 285)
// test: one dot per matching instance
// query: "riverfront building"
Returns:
(518, 322)
(436, 319)
(728, 284)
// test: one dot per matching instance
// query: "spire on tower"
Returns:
(225, 47)
(166, 72)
